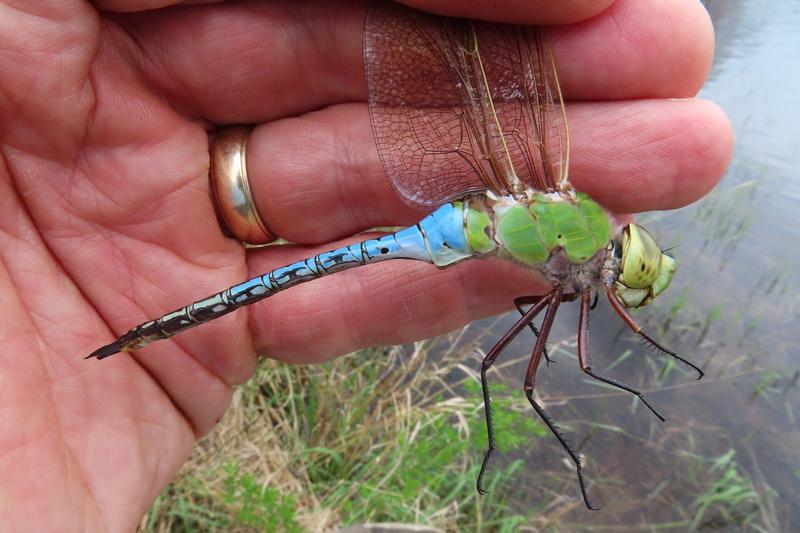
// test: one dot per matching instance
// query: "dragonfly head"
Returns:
(645, 271)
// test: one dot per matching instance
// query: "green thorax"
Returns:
(530, 231)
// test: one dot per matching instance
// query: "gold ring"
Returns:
(231, 188)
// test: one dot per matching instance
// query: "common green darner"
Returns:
(468, 116)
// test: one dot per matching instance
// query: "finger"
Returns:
(319, 177)
(531, 12)
(537, 11)
(253, 62)
(636, 49)
(131, 6)
(649, 155)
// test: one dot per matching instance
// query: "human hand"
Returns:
(107, 221)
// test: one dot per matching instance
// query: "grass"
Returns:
(731, 499)
(379, 436)
(398, 435)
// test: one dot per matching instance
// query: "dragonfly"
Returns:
(470, 124)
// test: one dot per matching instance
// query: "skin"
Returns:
(106, 220)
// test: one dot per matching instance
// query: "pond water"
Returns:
(733, 309)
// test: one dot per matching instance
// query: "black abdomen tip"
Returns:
(106, 351)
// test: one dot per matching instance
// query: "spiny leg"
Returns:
(530, 382)
(528, 300)
(623, 313)
(583, 354)
(488, 361)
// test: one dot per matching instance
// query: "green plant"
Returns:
(731, 499)
(256, 504)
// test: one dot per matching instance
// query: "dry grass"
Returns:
(397, 435)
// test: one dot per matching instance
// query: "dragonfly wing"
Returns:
(459, 105)
(522, 73)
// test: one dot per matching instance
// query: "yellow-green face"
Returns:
(645, 271)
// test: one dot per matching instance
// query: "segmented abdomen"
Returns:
(438, 238)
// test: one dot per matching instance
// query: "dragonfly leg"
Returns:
(530, 382)
(529, 300)
(538, 304)
(596, 296)
(623, 313)
(583, 354)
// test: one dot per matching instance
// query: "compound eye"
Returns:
(641, 257)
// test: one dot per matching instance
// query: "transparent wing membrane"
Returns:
(458, 105)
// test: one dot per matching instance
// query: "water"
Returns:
(733, 309)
